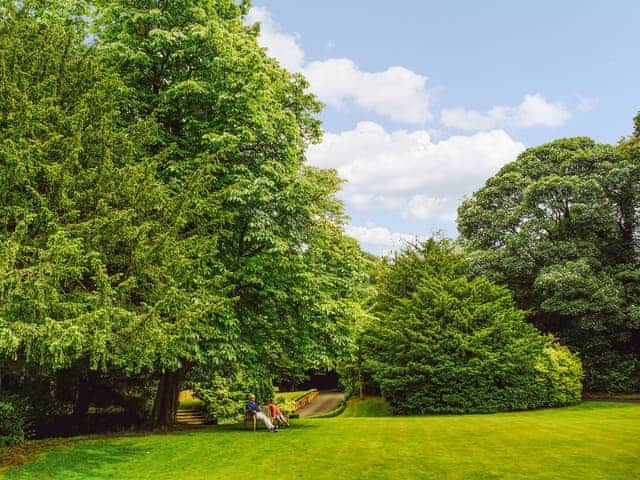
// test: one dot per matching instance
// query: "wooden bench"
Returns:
(249, 419)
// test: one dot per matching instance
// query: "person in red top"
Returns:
(275, 413)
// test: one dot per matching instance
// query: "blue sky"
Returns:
(426, 100)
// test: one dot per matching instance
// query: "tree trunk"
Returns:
(361, 384)
(165, 404)
(81, 408)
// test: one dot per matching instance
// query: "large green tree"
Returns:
(449, 342)
(89, 269)
(234, 129)
(156, 212)
(559, 226)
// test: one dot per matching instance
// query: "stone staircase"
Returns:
(190, 416)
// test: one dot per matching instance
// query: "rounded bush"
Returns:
(450, 344)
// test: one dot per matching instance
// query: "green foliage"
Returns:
(11, 425)
(86, 269)
(446, 343)
(234, 127)
(156, 213)
(223, 399)
(559, 227)
(287, 400)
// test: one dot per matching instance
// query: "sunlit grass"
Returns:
(595, 440)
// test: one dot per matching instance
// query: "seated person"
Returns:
(276, 414)
(254, 409)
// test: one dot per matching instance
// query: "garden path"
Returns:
(323, 403)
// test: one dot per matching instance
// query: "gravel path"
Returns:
(325, 402)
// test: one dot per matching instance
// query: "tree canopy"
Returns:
(449, 343)
(559, 226)
(156, 211)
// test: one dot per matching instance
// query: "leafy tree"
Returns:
(448, 343)
(234, 129)
(90, 266)
(559, 226)
(156, 213)
(353, 377)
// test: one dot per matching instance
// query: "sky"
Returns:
(426, 100)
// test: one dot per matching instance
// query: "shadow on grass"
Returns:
(85, 456)
(72, 458)
(240, 428)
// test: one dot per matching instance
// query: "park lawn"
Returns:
(370, 407)
(594, 440)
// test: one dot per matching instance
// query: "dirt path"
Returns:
(325, 402)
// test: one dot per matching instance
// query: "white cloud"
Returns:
(409, 173)
(380, 238)
(533, 111)
(422, 207)
(396, 93)
(282, 46)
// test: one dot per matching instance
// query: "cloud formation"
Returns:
(397, 93)
(379, 238)
(404, 174)
(423, 207)
(407, 172)
(280, 45)
(533, 111)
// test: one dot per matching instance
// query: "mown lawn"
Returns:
(595, 440)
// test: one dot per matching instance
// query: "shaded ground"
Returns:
(605, 397)
(323, 403)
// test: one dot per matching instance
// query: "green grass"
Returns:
(191, 403)
(595, 440)
(369, 407)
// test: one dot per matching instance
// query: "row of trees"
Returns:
(157, 220)
(559, 228)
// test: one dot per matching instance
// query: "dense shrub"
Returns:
(450, 344)
(11, 425)
(613, 372)
(222, 399)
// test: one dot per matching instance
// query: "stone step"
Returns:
(187, 416)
